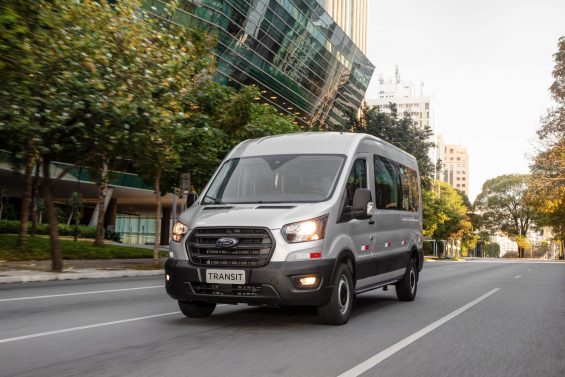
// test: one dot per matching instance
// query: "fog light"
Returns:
(167, 278)
(306, 281)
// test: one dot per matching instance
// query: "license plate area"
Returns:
(225, 276)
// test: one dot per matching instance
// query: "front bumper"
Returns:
(268, 285)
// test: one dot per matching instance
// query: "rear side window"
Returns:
(410, 193)
(396, 186)
(386, 184)
(357, 179)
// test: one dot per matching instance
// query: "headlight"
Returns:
(308, 230)
(179, 230)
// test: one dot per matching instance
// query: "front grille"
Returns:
(254, 247)
(248, 290)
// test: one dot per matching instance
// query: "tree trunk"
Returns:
(26, 196)
(520, 252)
(158, 216)
(102, 192)
(35, 200)
(56, 257)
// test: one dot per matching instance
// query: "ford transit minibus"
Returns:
(301, 219)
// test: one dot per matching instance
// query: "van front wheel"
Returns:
(338, 308)
(196, 309)
(407, 287)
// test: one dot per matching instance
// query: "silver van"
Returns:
(301, 219)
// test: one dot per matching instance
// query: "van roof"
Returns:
(308, 143)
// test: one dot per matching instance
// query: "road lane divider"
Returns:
(517, 276)
(81, 293)
(383, 355)
(71, 329)
(86, 327)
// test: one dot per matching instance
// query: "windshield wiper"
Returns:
(216, 201)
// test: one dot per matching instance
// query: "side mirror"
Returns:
(363, 207)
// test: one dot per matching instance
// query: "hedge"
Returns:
(83, 231)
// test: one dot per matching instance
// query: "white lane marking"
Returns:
(383, 355)
(529, 269)
(81, 293)
(517, 276)
(83, 327)
(79, 328)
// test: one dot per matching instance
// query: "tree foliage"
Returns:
(399, 130)
(445, 213)
(505, 207)
(547, 184)
(92, 82)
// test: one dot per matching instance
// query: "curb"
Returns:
(26, 276)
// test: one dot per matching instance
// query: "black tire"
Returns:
(338, 308)
(196, 309)
(407, 288)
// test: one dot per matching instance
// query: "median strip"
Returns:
(383, 355)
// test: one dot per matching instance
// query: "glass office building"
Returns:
(302, 61)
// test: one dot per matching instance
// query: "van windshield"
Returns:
(275, 179)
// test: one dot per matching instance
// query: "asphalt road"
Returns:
(469, 319)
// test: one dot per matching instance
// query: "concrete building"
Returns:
(455, 169)
(351, 16)
(408, 99)
(506, 244)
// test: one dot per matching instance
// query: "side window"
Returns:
(357, 179)
(386, 184)
(415, 189)
(410, 197)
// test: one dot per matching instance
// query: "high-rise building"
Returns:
(455, 169)
(304, 62)
(351, 16)
(407, 100)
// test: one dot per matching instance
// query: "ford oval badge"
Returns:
(227, 242)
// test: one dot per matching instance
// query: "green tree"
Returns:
(221, 118)
(18, 21)
(547, 184)
(400, 130)
(446, 215)
(504, 206)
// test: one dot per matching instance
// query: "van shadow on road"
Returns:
(285, 316)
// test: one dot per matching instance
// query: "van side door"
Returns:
(360, 231)
(389, 230)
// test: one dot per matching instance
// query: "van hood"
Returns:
(272, 216)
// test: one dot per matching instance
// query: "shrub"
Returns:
(83, 231)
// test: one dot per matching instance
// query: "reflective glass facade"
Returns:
(292, 50)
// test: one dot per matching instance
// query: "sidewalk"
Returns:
(29, 271)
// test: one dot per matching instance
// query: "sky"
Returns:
(487, 63)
